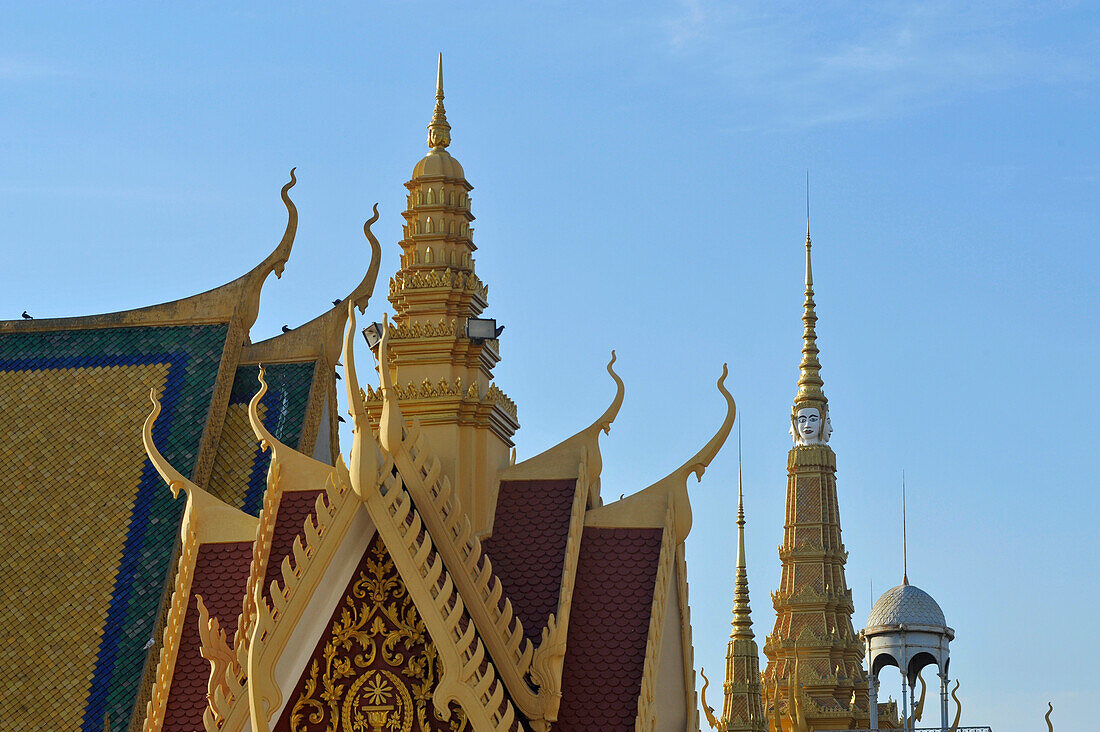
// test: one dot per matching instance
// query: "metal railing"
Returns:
(928, 729)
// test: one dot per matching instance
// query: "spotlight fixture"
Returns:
(482, 329)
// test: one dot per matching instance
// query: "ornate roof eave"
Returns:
(321, 336)
(242, 687)
(205, 520)
(647, 507)
(563, 460)
(239, 299)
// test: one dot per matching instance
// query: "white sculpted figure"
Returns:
(807, 427)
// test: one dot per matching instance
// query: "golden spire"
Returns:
(809, 380)
(439, 132)
(742, 620)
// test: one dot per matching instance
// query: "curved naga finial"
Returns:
(608, 417)
(711, 720)
(360, 296)
(277, 260)
(205, 517)
(364, 455)
(958, 708)
(295, 468)
(669, 492)
(562, 460)
(249, 306)
(1050, 725)
(267, 440)
(391, 424)
(172, 477)
(699, 463)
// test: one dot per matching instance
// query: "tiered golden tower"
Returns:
(814, 678)
(443, 377)
(742, 708)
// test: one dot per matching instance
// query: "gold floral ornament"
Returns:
(377, 668)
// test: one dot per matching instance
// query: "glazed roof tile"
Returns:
(221, 574)
(608, 629)
(527, 547)
(84, 515)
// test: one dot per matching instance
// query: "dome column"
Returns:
(943, 699)
(872, 698)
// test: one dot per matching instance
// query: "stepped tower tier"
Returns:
(444, 378)
(814, 678)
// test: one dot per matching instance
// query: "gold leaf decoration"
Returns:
(375, 668)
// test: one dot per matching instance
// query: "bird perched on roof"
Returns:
(286, 329)
(337, 375)
(337, 301)
(340, 419)
(27, 316)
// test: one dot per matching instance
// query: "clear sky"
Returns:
(639, 172)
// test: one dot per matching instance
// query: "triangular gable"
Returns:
(375, 665)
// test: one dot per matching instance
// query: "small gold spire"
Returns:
(810, 393)
(439, 132)
(742, 617)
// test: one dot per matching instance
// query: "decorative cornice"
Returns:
(443, 278)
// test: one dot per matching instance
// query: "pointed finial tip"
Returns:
(439, 131)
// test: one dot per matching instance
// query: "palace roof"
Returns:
(430, 578)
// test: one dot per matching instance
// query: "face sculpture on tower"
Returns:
(808, 428)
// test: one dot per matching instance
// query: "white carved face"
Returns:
(809, 425)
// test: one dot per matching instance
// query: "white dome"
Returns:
(906, 605)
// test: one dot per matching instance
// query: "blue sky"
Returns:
(639, 173)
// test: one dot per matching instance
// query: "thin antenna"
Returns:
(739, 457)
(807, 200)
(904, 539)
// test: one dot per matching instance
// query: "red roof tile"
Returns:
(294, 507)
(608, 627)
(527, 546)
(221, 573)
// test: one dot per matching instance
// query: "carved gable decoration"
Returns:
(375, 668)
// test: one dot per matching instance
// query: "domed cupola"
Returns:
(907, 629)
(906, 606)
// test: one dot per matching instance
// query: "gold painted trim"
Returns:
(205, 520)
(646, 719)
(239, 298)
